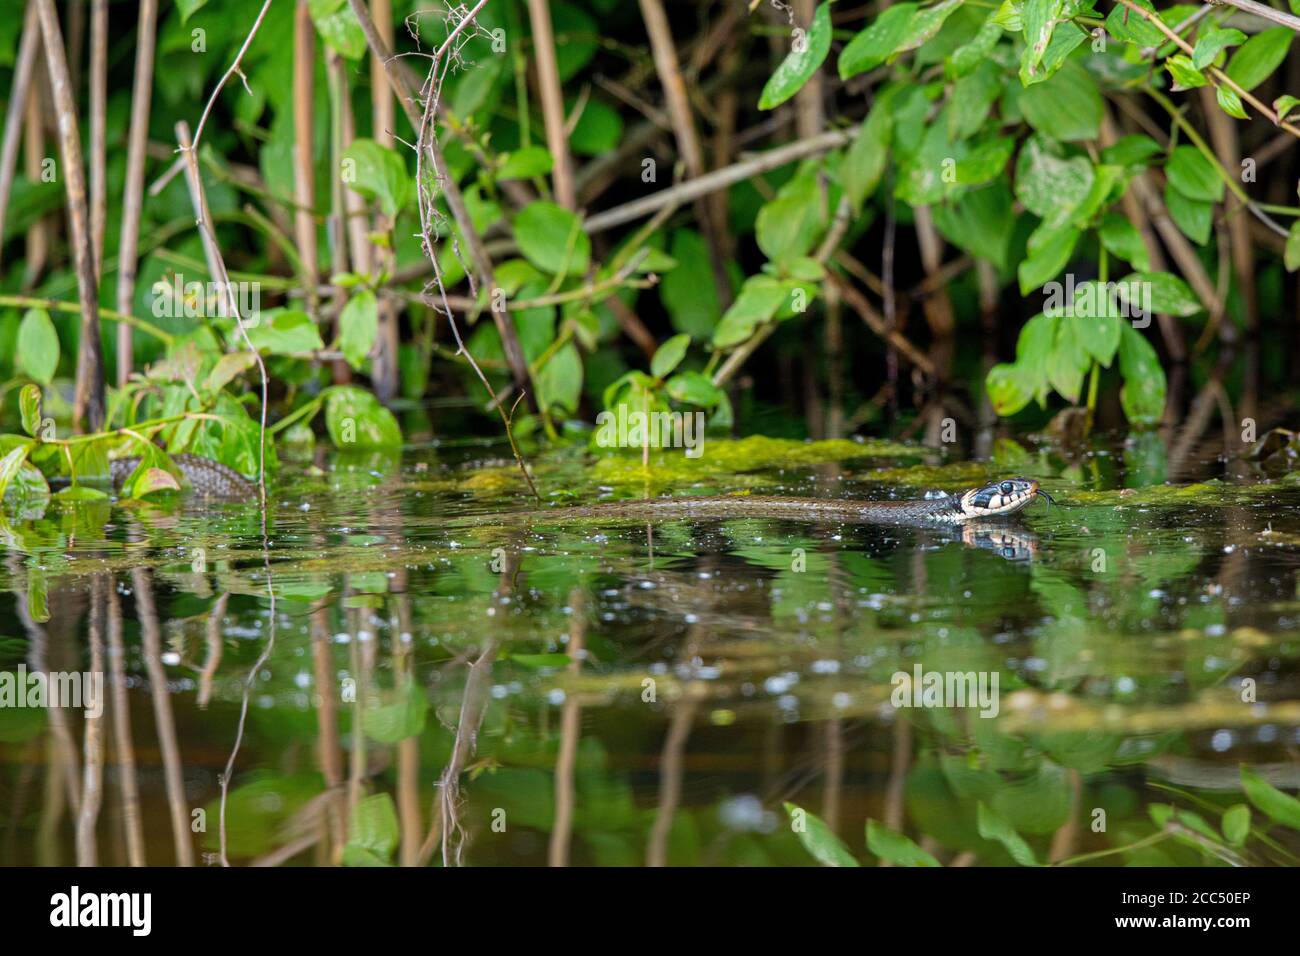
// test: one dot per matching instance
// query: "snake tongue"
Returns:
(1042, 494)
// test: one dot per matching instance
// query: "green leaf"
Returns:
(38, 589)
(1048, 185)
(985, 161)
(1273, 803)
(669, 355)
(153, 479)
(1009, 388)
(81, 493)
(1291, 255)
(1050, 249)
(1283, 106)
(1164, 292)
(1230, 102)
(358, 327)
(29, 404)
(378, 172)
(1008, 17)
(400, 715)
(902, 27)
(1258, 57)
(188, 8)
(1132, 150)
(992, 826)
(552, 238)
(971, 101)
(1193, 175)
(1129, 27)
(799, 66)
(155, 472)
(1121, 238)
(980, 222)
(339, 27)
(1066, 107)
(1211, 43)
(373, 832)
(11, 463)
(1186, 76)
(355, 419)
(1039, 20)
(1196, 823)
(788, 226)
(756, 304)
(1064, 42)
(1193, 216)
(525, 163)
(599, 129)
(1236, 824)
(228, 367)
(865, 162)
(818, 839)
(896, 847)
(694, 388)
(967, 58)
(559, 382)
(280, 332)
(1143, 393)
(1097, 320)
(38, 346)
(688, 291)
(1068, 362)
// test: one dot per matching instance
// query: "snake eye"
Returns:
(1006, 488)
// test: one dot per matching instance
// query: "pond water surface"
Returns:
(419, 688)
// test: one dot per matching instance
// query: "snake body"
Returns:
(205, 476)
(996, 500)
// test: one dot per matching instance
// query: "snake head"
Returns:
(1000, 498)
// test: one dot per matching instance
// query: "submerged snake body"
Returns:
(206, 477)
(997, 500)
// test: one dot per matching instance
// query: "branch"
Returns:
(1214, 71)
(24, 70)
(451, 190)
(693, 189)
(54, 305)
(133, 193)
(548, 84)
(1263, 11)
(203, 219)
(234, 68)
(88, 401)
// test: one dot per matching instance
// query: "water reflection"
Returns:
(387, 687)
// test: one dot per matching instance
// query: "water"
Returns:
(692, 692)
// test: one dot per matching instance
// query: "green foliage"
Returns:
(988, 124)
(552, 239)
(379, 173)
(38, 346)
(1259, 56)
(796, 69)
(818, 839)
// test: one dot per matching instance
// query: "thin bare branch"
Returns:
(24, 69)
(133, 193)
(88, 400)
(552, 96)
